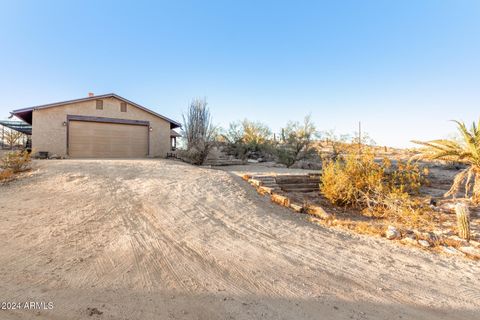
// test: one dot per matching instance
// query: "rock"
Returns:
(448, 206)
(392, 233)
(265, 190)
(470, 251)
(54, 156)
(410, 241)
(319, 212)
(424, 243)
(255, 182)
(281, 200)
(252, 161)
(296, 207)
(308, 165)
(94, 311)
(451, 250)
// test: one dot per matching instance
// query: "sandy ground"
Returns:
(158, 239)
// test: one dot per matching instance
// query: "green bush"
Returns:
(248, 138)
(286, 156)
(296, 142)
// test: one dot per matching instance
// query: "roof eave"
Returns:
(173, 124)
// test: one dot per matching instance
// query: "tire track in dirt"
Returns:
(255, 235)
(297, 250)
(151, 225)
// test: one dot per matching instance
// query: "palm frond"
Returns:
(466, 151)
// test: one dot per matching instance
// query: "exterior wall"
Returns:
(49, 133)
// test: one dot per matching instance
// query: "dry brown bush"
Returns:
(16, 161)
(377, 188)
(6, 175)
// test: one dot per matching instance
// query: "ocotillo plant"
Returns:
(463, 221)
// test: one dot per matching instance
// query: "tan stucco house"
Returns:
(99, 126)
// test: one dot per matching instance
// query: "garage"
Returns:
(99, 126)
(95, 139)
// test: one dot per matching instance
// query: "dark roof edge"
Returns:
(108, 95)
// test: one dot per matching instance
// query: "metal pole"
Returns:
(359, 137)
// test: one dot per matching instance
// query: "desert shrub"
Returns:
(5, 175)
(199, 132)
(351, 181)
(296, 141)
(247, 138)
(233, 137)
(16, 161)
(285, 156)
(377, 188)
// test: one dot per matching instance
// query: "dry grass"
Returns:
(361, 227)
(6, 175)
(377, 189)
(16, 161)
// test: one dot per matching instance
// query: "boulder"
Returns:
(319, 212)
(392, 233)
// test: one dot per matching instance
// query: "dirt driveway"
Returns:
(157, 239)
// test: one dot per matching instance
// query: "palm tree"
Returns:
(466, 151)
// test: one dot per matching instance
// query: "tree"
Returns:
(12, 137)
(199, 131)
(298, 138)
(234, 136)
(255, 134)
(466, 151)
(338, 143)
(247, 136)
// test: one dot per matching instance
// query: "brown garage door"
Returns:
(107, 140)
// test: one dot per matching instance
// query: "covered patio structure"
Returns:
(14, 133)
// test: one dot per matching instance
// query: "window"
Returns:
(99, 104)
(123, 106)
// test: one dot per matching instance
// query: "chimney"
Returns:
(90, 94)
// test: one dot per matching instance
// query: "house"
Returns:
(102, 126)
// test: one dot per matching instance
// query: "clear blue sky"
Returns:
(403, 68)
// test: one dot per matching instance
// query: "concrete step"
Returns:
(296, 179)
(300, 185)
(303, 190)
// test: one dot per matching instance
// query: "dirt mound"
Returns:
(158, 239)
